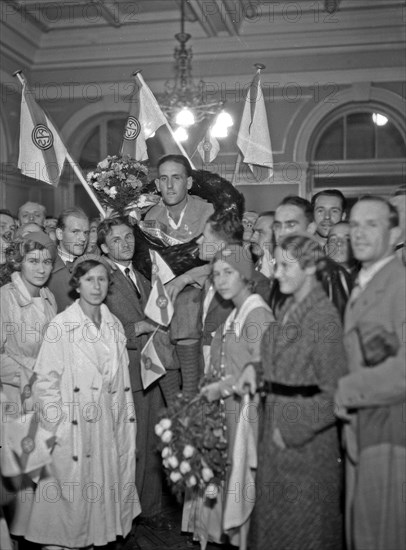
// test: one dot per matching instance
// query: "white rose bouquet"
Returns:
(193, 444)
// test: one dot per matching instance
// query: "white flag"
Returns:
(253, 138)
(160, 268)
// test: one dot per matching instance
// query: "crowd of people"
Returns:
(300, 310)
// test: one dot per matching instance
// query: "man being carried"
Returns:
(179, 218)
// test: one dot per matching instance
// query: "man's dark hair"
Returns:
(330, 193)
(180, 159)
(75, 211)
(299, 202)
(106, 226)
(227, 225)
(266, 214)
(393, 212)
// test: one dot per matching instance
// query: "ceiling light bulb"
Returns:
(224, 119)
(219, 131)
(185, 118)
(181, 134)
(379, 120)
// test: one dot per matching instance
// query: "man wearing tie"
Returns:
(126, 299)
(371, 399)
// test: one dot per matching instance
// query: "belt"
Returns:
(289, 391)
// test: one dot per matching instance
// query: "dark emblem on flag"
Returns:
(132, 128)
(147, 363)
(27, 391)
(42, 137)
(207, 146)
(154, 269)
(27, 445)
(162, 301)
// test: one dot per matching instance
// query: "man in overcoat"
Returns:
(372, 397)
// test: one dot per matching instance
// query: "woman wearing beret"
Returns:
(298, 484)
(88, 496)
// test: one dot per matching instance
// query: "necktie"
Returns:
(127, 273)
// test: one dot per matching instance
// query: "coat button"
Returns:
(126, 388)
(76, 389)
(75, 458)
(131, 419)
(75, 422)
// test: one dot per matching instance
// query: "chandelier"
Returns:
(184, 101)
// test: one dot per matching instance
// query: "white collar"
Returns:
(65, 256)
(366, 274)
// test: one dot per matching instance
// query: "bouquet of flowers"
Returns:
(121, 183)
(193, 445)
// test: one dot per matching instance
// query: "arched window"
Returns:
(358, 148)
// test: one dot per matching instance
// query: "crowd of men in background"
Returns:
(360, 246)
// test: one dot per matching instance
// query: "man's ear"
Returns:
(395, 235)
(344, 216)
(157, 185)
(104, 248)
(189, 182)
(310, 270)
(58, 233)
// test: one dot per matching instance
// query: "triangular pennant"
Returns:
(151, 366)
(159, 307)
(160, 268)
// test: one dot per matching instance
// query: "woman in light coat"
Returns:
(27, 306)
(88, 496)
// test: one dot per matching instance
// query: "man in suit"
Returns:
(295, 214)
(372, 397)
(72, 233)
(262, 243)
(126, 299)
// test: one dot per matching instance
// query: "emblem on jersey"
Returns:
(42, 137)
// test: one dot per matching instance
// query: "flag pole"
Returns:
(137, 74)
(19, 74)
(237, 167)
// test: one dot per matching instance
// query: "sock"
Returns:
(188, 355)
(170, 385)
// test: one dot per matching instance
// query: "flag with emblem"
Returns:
(160, 268)
(26, 446)
(144, 119)
(159, 307)
(42, 152)
(208, 148)
(253, 138)
(151, 366)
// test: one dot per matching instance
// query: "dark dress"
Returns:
(299, 488)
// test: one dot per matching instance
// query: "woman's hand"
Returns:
(247, 381)
(211, 392)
